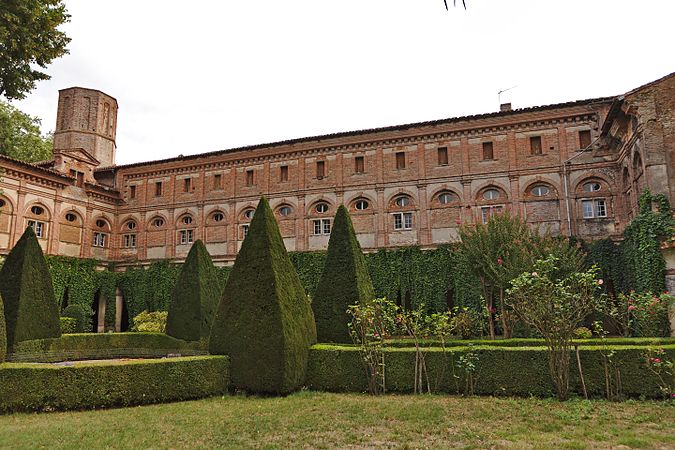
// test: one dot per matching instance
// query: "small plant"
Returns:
(583, 333)
(468, 363)
(646, 314)
(613, 390)
(150, 322)
(663, 367)
(468, 323)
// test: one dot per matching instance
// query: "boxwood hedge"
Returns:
(3, 335)
(46, 387)
(520, 371)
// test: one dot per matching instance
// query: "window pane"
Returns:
(398, 222)
(400, 160)
(407, 221)
(600, 208)
(485, 214)
(442, 156)
(587, 206)
(535, 145)
(488, 152)
(326, 226)
(359, 164)
(317, 226)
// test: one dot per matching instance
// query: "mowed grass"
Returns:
(324, 420)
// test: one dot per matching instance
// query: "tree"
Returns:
(555, 305)
(29, 37)
(194, 297)
(345, 281)
(20, 136)
(264, 321)
(31, 311)
(3, 334)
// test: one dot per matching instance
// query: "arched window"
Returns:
(491, 194)
(37, 217)
(285, 210)
(361, 204)
(322, 207)
(540, 190)
(248, 213)
(402, 201)
(446, 197)
(100, 233)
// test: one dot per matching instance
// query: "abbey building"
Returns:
(574, 168)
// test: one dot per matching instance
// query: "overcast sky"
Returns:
(197, 76)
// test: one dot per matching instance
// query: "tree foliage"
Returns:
(20, 136)
(555, 304)
(345, 281)
(29, 41)
(264, 321)
(3, 334)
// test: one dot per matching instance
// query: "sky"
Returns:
(204, 75)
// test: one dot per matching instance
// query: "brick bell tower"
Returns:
(84, 136)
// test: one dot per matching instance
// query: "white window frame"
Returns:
(129, 240)
(38, 227)
(99, 239)
(244, 230)
(186, 236)
(592, 208)
(321, 227)
(488, 211)
(403, 221)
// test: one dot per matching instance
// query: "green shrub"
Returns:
(150, 322)
(3, 335)
(102, 346)
(194, 298)
(38, 387)
(68, 325)
(31, 311)
(583, 333)
(264, 321)
(82, 318)
(345, 281)
(499, 371)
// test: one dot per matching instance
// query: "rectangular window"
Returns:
(158, 188)
(283, 174)
(320, 169)
(321, 226)
(400, 160)
(99, 239)
(217, 181)
(132, 191)
(38, 227)
(594, 208)
(244, 230)
(187, 184)
(403, 221)
(442, 156)
(535, 145)
(249, 177)
(129, 240)
(584, 138)
(79, 177)
(488, 151)
(489, 211)
(185, 236)
(600, 208)
(359, 164)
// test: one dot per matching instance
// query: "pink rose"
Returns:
(631, 307)
(500, 261)
(600, 281)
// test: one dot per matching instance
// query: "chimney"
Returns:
(505, 107)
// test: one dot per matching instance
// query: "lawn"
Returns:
(324, 420)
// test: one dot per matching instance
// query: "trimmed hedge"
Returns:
(71, 347)
(3, 335)
(31, 311)
(264, 322)
(42, 387)
(529, 342)
(68, 325)
(345, 281)
(519, 371)
(82, 318)
(194, 297)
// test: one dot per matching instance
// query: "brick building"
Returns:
(574, 168)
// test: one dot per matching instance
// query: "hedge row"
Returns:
(515, 371)
(71, 347)
(42, 387)
(531, 342)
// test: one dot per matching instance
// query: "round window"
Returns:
(131, 225)
(2, 203)
(592, 187)
(70, 217)
(218, 217)
(187, 220)
(100, 223)
(37, 210)
(361, 204)
(402, 202)
(491, 194)
(249, 213)
(285, 210)
(540, 190)
(445, 198)
(322, 207)
(158, 222)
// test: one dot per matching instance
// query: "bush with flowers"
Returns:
(663, 367)
(645, 314)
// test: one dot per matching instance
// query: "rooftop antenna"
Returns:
(499, 93)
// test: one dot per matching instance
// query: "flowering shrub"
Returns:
(659, 364)
(646, 314)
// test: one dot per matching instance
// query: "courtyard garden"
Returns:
(491, 330)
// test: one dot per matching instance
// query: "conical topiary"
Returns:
(264, 321)
(3, 335)
(195, 297)
(345, 281)
(31, 311)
